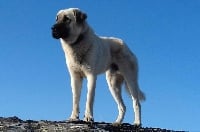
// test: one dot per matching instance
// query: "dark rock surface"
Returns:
(14, 124)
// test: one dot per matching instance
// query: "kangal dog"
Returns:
(88, 55)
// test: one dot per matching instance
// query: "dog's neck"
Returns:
(79, 39)
(81, 36)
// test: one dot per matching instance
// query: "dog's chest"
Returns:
(78, 62)
(80, 68)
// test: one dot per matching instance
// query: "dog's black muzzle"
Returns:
(60, 30)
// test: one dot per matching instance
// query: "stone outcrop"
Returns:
(14, 124)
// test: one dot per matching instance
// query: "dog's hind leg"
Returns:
(129, 72)
(136, 95)
(133, 89)
(115, 81)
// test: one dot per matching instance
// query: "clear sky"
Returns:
(164, 34)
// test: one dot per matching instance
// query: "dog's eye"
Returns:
(66, 19)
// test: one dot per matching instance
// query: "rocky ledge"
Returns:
(14, 124)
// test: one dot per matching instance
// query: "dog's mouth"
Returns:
(59, 31)
(56, 35)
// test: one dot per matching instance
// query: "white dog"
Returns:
(88, 55)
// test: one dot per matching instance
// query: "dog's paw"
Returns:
(73, 119)
(116, 123)
(88, 119)
(137, 124)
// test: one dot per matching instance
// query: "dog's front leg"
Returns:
(91, 83)
(76, 84)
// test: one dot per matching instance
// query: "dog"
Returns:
(88, 55)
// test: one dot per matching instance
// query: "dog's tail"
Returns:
(136, 94)
(141, 96)
(131, 85)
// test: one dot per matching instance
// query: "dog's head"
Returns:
(69, 24)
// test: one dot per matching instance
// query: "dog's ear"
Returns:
(79, 16)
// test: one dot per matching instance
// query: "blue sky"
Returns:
(34, 81)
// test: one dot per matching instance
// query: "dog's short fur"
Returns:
(88, 55)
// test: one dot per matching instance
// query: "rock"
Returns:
(14, 124)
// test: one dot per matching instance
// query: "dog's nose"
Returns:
(55, 32)
(53, 28)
